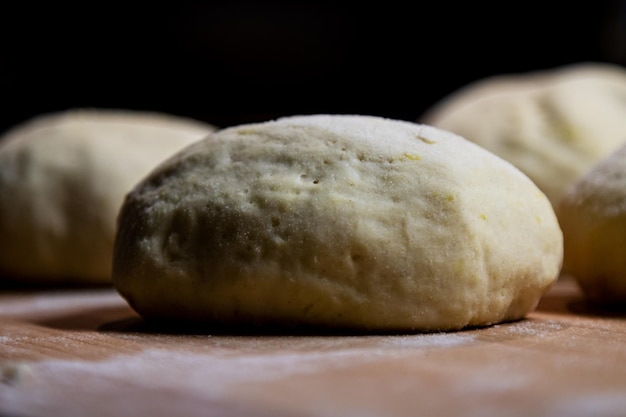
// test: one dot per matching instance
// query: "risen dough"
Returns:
(352, 222)
(554, 124)
(593, 218)
(63, 177)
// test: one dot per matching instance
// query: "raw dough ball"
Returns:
(353, 222)
(593, 218)
(63, 177)
(554, 125)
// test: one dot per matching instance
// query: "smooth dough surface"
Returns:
(352, 222)
(593, 219)
(553, 124)
(63, 177)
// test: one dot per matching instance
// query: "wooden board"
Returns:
(84, 352)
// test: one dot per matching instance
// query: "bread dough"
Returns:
(63, 177)
(553, 124)
(350, 222)
(592, 213)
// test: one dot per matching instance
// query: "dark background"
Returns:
(231, 62)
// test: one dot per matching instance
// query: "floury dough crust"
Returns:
(593, 218)
(554, 125)
(63, 177)
(350, 222)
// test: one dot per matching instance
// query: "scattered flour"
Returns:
(218, 372)
(215, 370)
(30, 305)
(222, 368)
(531, 328)
(430, 340)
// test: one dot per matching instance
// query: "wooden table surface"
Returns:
(84, 352)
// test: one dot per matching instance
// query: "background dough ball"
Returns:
(63, 177)
(352, 222)
(554, 124)
(593, 218)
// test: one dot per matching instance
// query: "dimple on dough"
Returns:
(592, 214)
(340, 221)
(63, 177)
(554, 125)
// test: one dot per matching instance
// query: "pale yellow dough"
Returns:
(553, 124)
(63, 177)
(350, 222)
(593, 218)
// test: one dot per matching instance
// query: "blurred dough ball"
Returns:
(554, 124)
(352, 222)
(63, 177)
(593, 218)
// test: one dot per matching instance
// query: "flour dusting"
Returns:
(29, 305)
(215, 371)
(532, 328)
(431, 340)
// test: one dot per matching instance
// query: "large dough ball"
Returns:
(353, 222)
(554, 124)
(63, 177)
(593, 218)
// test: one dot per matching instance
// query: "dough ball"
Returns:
(592, 214)
(349, 222)
(63, 177)
(554, 125)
